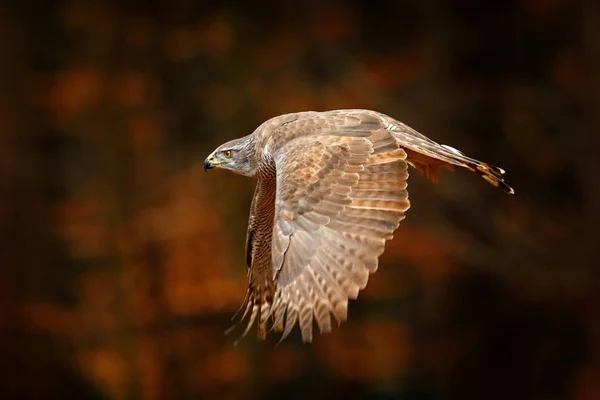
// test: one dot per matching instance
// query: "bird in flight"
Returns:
(331, 190)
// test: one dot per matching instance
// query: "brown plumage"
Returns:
(331, 191)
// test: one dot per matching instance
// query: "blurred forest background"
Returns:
(122, 262)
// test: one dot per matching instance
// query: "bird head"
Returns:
(233, 156)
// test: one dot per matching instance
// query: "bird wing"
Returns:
(341, 193)
(261, 287)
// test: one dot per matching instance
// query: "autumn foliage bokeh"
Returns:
(122, 261)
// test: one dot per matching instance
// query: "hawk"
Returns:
(331, 190)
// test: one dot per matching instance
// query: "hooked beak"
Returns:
(209, 163)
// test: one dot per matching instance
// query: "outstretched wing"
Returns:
(339, 198)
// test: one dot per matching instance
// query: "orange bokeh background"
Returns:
(122, 261)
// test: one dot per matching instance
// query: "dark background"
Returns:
(122, 262)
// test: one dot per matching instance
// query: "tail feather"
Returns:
(437, 156)
(428, 156)
(492, 175)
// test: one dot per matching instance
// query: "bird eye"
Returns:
(227, 153)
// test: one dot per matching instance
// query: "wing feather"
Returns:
(320, 299)
(305, 305)
(340, 196)
(259, 241)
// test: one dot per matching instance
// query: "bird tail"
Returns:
(428, 156)
(443, 156)
(493, 175)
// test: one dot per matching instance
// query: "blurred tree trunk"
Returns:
(590, 168)
(31, 362)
